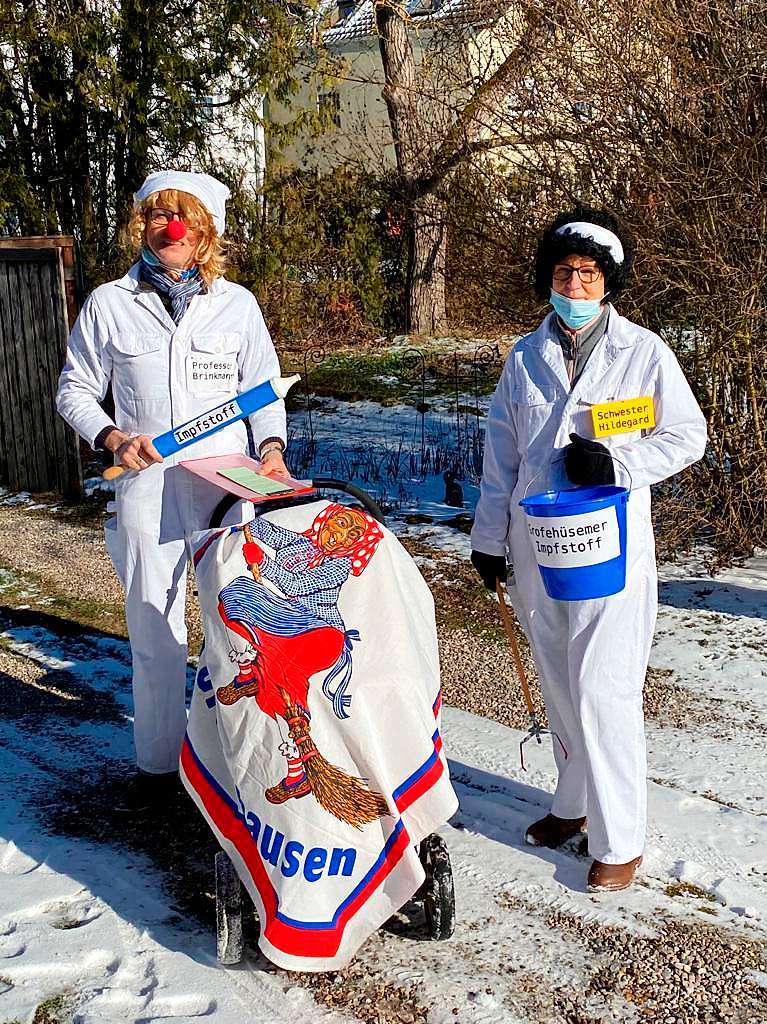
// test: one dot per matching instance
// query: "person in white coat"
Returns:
(591, 655)
(173, 338)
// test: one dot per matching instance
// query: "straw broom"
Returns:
(345, 797)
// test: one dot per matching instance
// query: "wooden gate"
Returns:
(38, 452)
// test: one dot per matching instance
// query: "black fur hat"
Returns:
(553, 247)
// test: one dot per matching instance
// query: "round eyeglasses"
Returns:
(587, 275)
(161, 217)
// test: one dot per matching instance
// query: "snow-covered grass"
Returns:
(395, 452)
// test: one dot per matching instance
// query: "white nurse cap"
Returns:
(212, 193)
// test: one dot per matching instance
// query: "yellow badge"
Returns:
(623, 416)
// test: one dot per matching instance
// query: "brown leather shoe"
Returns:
(612, 877)
(552, 831)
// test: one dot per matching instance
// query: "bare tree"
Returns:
(441, 118)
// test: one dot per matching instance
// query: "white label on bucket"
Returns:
(568, 542)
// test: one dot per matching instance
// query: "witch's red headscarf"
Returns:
(359, 551)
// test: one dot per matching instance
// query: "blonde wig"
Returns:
(210, 255)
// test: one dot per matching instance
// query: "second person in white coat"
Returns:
(591, 655)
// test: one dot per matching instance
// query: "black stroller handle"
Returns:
(368, 503)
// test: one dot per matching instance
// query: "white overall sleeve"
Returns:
(679, 436)
(84, 380)
(499, 473)
(258, 362)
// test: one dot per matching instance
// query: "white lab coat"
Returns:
(163, 375)
(591, 655)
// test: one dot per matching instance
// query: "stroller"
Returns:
(437, 891)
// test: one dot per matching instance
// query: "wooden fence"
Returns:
(38, 452)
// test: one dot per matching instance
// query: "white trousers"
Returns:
(591, 658)
(158, 510)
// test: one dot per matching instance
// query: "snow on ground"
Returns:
(722, 850)
(95, 921)
(395, 452)
(87, 916)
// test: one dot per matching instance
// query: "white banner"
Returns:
(570, 542)
(313, 747)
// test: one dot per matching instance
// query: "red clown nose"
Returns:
(175, 230)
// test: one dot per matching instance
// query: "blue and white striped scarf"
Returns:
(180, 293)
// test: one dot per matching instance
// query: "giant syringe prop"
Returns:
(216, 419)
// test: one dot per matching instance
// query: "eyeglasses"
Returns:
(588, 275)
(161, 217)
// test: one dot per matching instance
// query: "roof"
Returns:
(361, 22)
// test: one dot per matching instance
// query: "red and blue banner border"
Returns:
(309, 938)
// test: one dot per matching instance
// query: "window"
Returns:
(329, 104)
(582, 105)
(416, 8)
(346, 9)
(210, 108)
(523, 99)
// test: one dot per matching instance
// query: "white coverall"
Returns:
(591, 655)
(163, 375)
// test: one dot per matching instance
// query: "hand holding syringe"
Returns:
(139, 452)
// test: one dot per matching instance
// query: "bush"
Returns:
(319, 253)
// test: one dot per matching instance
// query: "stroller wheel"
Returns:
(229, 941)
(437, 891)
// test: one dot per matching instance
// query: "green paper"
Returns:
(246, 477)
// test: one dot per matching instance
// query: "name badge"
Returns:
(623, 416)
(207, 375)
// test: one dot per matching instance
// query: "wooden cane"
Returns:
(536, 730)
(508, 625)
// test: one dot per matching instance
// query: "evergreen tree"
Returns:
(96, 93)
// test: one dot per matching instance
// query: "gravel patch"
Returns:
(368, 998)
(478, 675)
(62, 567)
(70, 558)
(683, 973)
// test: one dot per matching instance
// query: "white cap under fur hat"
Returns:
(212, 193)
(597, 234)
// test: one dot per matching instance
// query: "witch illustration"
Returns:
(284, 627)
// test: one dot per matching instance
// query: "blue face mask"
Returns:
(151, 260)
(576, 313)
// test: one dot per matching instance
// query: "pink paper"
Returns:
(209, 468)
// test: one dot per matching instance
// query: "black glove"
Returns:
(490, 568)
(588, 463)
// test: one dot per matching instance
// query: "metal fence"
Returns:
(441, 434)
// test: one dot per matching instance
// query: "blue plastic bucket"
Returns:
(579, 539)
